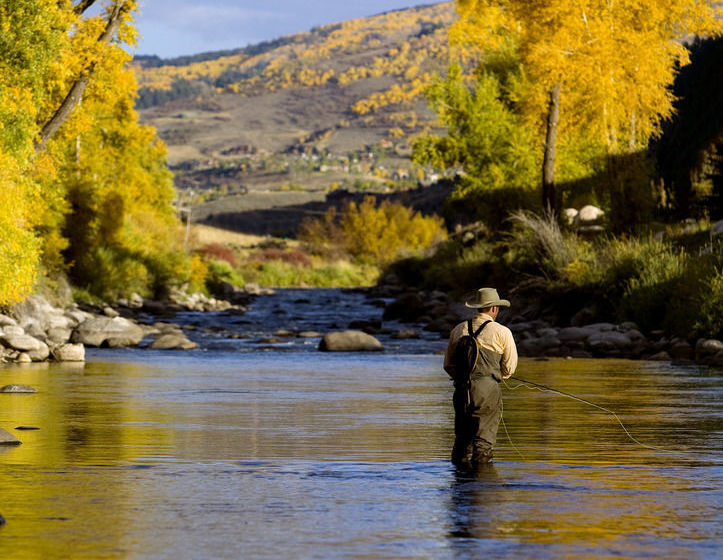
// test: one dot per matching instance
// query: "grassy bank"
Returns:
(670, 279)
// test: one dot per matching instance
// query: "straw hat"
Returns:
(486, 297)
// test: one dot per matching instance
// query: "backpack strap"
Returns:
(479, 330)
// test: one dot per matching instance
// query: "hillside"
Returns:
(329, 108)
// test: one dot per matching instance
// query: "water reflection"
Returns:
(305, 455)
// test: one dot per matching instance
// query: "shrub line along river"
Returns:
(253, 449)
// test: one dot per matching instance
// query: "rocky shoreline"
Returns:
(37, 331)
(535, 337)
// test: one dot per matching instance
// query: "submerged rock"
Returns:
(349, 341)
(6, 438)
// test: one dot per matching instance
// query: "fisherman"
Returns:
(478, 403)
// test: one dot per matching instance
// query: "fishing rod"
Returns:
(541, 387)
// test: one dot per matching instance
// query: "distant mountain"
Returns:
(329, 108)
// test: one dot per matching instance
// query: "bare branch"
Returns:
(76, 91)
(82, 6)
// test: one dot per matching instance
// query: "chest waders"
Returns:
(477, 405)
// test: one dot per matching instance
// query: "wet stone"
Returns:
(17, 389)
(6, 438)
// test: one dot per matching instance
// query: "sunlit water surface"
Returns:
(145, 454)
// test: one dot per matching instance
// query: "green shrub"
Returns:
(282, 274)
(116, 274)
(220, 272)
(710, 308)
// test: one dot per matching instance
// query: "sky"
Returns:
(171, 28)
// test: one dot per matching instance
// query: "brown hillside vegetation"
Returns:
(329, 108)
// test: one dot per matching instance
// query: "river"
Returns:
(253, 449)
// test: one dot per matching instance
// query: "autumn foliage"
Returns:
(372, 233)
(91, 195)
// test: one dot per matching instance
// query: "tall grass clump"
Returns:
(538, 240)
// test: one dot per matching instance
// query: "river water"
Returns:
(251, 449)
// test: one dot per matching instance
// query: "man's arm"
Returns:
(509, 355)
(449, 365)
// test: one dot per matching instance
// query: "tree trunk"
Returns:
(549, 199)
(76, 90)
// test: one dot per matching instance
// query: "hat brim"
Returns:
(497, 303)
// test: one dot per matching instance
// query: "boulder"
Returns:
(405, 334)
(589, 214)
(17, 389)
(707, 348)
(58, 335)
(114, 332)
(716, 229)
(715, 360)
(108, 311)
(173, 341)
(349, 341)
(309, 334)
(660, 357)
(76, 317)
(36, 349)
(6, 321)
(407, 307)
(13, 329)
(573, 334)
(69, 353)
(569, 215)
(583, 317)
(530, 347)
(6, 438)
(23, 358)
(680, 350)
(608, 342)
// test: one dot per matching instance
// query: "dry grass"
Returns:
(202, 235)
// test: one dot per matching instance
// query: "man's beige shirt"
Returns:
(494, 336)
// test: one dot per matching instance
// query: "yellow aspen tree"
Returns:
(603, 66)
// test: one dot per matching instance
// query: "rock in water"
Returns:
(116, 332)
(6, 438)
(17, 389)
(349, 341)
(69, 353)
(169, 341)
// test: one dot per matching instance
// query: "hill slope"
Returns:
(329, 108)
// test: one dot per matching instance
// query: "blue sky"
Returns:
(172, 28)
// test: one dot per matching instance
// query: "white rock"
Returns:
(69, 353)
(589, 214)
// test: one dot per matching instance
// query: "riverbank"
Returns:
(393, 318)
(582, 337)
